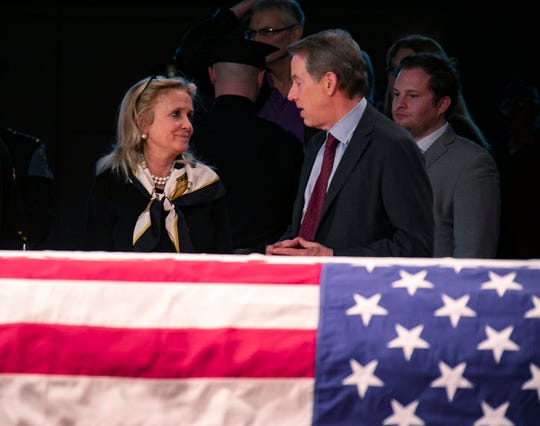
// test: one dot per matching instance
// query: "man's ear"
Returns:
(260, 77)
(330, 82)
(444, 103)
(297, 32)
(212, 74)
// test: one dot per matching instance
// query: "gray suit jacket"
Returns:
(466, 197)
(379, 202)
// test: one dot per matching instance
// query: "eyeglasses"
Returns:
(152, 78)
(266, 32)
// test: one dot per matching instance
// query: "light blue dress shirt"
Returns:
(342, 131)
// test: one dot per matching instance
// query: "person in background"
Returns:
(150, 194)
(518, 157)
(463, 175)
(460, 119)
(25, 156)
(275, 22)
(377, 200)
(35, 186)
(10, 203)
(11, 237)
(257, 160)
(369, 91)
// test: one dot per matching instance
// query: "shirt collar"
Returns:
(344, 128)
(425, 142)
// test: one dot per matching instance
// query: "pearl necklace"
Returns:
(162, 180)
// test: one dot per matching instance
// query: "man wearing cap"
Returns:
(258, 161)
(275, 22)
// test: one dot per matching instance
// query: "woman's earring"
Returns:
(144, 136)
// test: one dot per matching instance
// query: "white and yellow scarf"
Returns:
(186, 178)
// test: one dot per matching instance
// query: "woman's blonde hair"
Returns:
(137, 111)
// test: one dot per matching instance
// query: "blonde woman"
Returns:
(150, 194)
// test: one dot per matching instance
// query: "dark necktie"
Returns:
(311, 217)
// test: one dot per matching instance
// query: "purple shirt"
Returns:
(280, 110)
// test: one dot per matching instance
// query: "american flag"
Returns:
(201, 340)
(452, 345)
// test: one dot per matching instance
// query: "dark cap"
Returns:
(238, 50)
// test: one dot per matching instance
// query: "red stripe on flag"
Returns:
(156, 353)
(163, 270)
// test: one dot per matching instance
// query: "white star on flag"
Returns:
(455, 309)
(403, 416)
(501, 283)
(451, 379)
(362, 376)
(494, 416)
(458, 266)
(412, 282)
(366, 307)
(498, 342)
(408, 340)
(534, 382)
(534, 312)
(370, 265)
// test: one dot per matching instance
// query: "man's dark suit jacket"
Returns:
(379, 202)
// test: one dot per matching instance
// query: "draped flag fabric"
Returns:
(203, 340)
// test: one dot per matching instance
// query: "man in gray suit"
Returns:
(378, 199)
(464, 176)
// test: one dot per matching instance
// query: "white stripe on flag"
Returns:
(83, 401)
(170, 305)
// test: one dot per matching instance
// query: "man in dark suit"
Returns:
(379, 199)
(464, 176)
(257, 160)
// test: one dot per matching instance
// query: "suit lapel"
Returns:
(357, 145)
(439, 147)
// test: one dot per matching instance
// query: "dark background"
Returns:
(70, 66)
